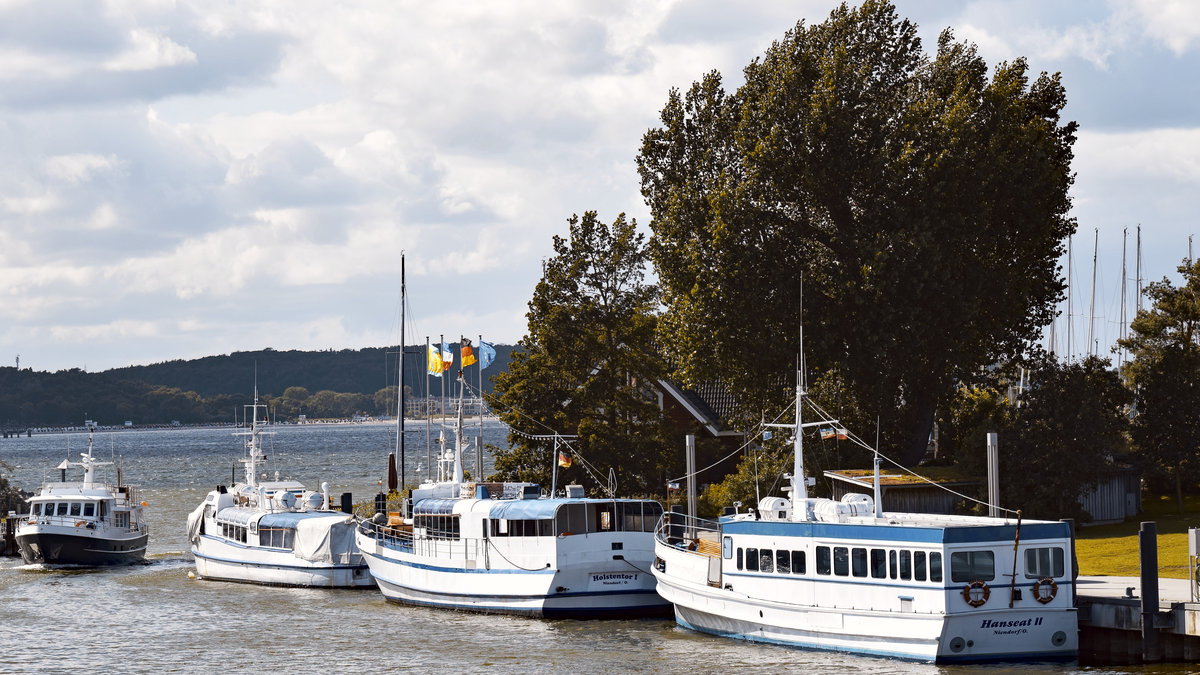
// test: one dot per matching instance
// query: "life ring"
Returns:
(1037, 590)
(976, 600)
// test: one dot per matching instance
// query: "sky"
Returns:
(188, 178)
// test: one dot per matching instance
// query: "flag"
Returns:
(435, 361)
(447, 357)
(827, 434)
(842, 434)
(564, 460)
(487, 354)
(467, 355)
(672, 486)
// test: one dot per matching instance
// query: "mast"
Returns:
(1070, 285)
(1138, 264)
(1124, 248)
(400, 381)
(428, 417)
(1092, 305)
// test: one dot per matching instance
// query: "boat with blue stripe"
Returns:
(507, 548)
(846, 576)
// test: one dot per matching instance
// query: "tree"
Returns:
(1063, 437)
(1164, 373)
(585, 364)
(923, 204)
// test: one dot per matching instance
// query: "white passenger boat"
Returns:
(505, 548)
(273, 532)
(86, 523)
(844, 576)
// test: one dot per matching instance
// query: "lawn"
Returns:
(1112, 550)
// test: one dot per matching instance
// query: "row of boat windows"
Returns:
(572, 518)
(878, 563)
(84, 509)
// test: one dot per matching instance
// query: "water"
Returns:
(153, 618)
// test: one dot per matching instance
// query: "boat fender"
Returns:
(977, 600)
(79, 523)
(1046, 597)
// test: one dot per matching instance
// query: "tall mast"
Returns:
(428, 417)
(1092, 303)
(400, 381)
(1137, 302)
(1070, 308)
(1124, 247)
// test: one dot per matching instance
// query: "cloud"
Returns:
(1175, 23)
(148, 51)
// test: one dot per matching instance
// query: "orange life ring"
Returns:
(1037, 590)
(976, 600)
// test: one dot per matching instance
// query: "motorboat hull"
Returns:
(220, 561)
(85, 549)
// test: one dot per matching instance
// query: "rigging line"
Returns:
(740, 448)
(858, 440)
(527, 569)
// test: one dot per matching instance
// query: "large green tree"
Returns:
(923, 203)
(1165, 374)
(583, 367)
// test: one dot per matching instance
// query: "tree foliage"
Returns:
(1055, 445)
(584, 366)
(1165, 375)
(923, 203)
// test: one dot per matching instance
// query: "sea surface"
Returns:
(154, 619)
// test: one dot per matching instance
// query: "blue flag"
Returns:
(487, 354)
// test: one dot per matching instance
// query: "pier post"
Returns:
(1148, 562)
(690, 451)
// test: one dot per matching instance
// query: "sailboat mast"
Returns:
(400, 381)
(1092, 304)
(428, 417)
(1124, 248)
(1070, 306)
(1137, 303)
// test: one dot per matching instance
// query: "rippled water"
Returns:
(153, 618)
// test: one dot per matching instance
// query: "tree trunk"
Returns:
(919, 421)
(1179, 487)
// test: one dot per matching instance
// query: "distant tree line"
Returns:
(211, 389)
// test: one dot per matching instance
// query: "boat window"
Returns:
(651, 512)
(604, 517)
(892, 564)
(878, 563)
(972, 565)
(859, 557)
(798, 562)
(919, 565)
(631, 516)
(276, 537)
(841, 561)
(783, 561)
(35, 510)
(905, 565)
(752, 559)
(823, 563)
(62, 508)
(727, 548)
(739, 558)
(1043, 562)
(935, 567)
(765, 558)
(76, 508)
(89, 509)
(545, 528)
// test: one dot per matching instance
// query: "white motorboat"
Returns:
(506, 548)
(273, 532)
(845, 576)
(85, 523)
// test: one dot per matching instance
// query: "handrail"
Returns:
(687, 533)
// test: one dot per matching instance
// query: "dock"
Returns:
(1118, 627)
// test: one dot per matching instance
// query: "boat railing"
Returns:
(447, 548)
(689, 533)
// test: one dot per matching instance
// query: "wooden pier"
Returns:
(1113, 625)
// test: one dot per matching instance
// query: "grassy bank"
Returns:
(1112, 550)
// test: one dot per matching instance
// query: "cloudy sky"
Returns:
(187, 178)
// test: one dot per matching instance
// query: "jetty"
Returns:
(1143, 619)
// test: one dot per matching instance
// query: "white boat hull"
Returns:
(591, 585)
(999, 634)
(219, 560)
